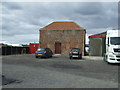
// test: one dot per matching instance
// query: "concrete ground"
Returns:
(59, 72)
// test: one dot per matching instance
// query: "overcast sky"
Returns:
(21, 21)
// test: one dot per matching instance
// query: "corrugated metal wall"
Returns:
(33, 47)
(97, 45)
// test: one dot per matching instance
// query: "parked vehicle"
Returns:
(43, 52)
(75, 53)
(86, 49)
(112, 54)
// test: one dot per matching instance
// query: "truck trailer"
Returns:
(112, 54)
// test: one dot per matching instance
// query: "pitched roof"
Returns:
(62, 26)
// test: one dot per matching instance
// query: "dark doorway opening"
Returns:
(57, 48)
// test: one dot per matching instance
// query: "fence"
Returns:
(10, 50)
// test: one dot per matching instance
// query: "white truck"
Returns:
(112, 54)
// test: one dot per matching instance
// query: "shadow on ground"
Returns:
(6, 81)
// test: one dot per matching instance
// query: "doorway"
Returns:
(57, 48)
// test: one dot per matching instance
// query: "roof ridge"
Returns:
(62, 21)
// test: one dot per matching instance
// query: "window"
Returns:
(115, 40)
(40, 49)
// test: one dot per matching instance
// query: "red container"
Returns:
(33, 47)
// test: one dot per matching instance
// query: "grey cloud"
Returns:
(22, 38)
(89, 8)
(27, 18)
(11, 5)
(14, 27)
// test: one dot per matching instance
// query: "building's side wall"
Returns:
(68, 38)
(97, 45)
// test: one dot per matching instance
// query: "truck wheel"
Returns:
(36, 56)
(104, 58)
(70, 57)
(80, 57)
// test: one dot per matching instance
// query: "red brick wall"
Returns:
(68, 38)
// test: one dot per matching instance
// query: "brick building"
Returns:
(60, 37)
